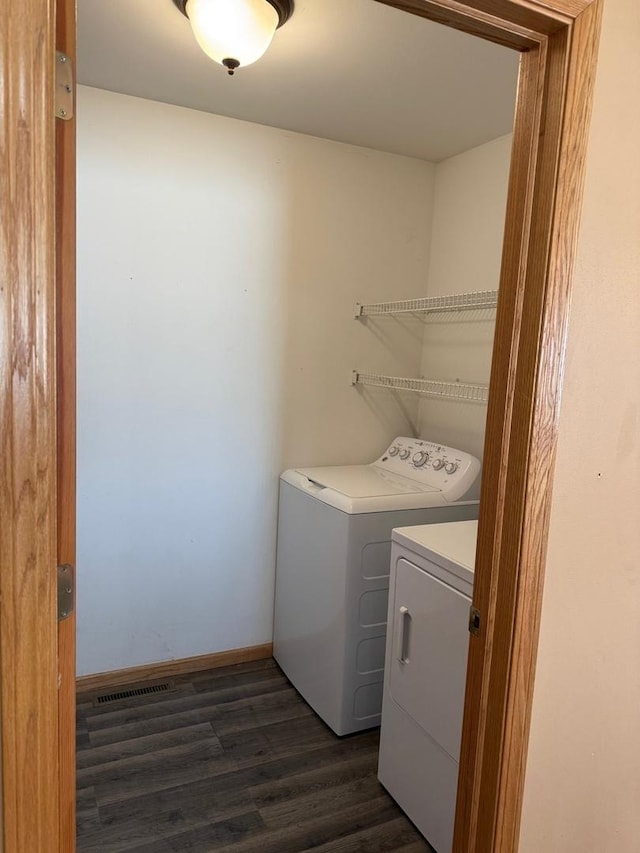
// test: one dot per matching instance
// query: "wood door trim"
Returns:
(66, 426)
(545, 188)
(541, 18)
(471, 18)
(28, 647)
(170, 668)
(575, 65)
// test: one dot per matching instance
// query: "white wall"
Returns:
(466, 247)
(582, 790)
(218, 266)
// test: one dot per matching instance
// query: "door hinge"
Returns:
(64, 86)
(66, 589)
(474, 621)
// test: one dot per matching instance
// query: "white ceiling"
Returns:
(356, 71)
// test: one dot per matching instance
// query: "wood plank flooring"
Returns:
(231, 759)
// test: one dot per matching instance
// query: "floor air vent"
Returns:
(128, 694)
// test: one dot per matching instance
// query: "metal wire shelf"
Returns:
(430, 387)
(430, 304)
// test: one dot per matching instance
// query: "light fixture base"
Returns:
(231, 65)
(284, 8)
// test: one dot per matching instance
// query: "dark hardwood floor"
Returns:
(229, 759)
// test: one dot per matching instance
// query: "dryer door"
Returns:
(429, 655)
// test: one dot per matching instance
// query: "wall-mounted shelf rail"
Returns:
(431, 304)
(430, 387)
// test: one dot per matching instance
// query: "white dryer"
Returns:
(332, 577)
(425, 675)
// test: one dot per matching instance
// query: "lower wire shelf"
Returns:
(430, 387)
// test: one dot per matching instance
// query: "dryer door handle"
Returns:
(402, 634)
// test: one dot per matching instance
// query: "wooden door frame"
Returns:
(558, 43)
(28, 500)
(65, 198)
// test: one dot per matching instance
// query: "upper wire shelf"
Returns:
(431, 387)
(431, 304)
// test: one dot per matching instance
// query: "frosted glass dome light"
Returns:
(235, 32)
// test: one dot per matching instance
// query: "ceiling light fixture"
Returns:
(235, 32)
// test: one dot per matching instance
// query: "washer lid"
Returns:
(364, 481)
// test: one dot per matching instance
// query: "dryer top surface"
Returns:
(447, 545)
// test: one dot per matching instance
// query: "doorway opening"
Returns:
(559, 55)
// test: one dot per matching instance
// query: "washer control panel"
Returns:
(451, 471)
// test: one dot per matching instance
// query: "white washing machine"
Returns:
(332, 578)
(425, 675)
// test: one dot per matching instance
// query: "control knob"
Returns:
(438, 464)
(420, 458)
(404, 453)
(393, 451)
(451, 467)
